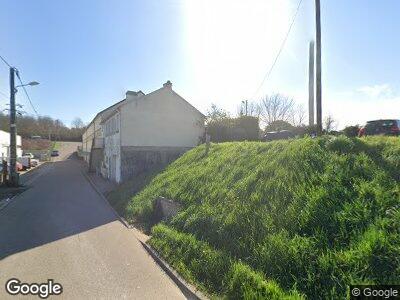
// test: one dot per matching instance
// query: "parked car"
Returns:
(381, 127)
(34, 162)
(19, 166)
(29, 155)
(55, 153)
(278, 135)
(25, 161)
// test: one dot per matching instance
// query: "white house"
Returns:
(5, 145)
(146, 131)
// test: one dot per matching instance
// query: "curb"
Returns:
(7, 201)
(187, 289)
(94, 186)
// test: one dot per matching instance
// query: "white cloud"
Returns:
(376, 91)
(351, 108)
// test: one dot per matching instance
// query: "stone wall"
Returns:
(96, 158)
(136, 160)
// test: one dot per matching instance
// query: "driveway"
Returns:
(61, 229)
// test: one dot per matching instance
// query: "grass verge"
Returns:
(298, 218)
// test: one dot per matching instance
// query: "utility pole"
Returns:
(245, 106)
(311, 85)
(14, 180)
(318, 66)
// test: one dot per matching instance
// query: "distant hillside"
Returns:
(286, 219)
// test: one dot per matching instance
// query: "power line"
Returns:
(4, 60)
(280, 50)
(27, 95)
(4, 94)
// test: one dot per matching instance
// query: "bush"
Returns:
(234, 129)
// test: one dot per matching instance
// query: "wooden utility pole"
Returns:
(318, 66)
(13, 132)
(311, 79)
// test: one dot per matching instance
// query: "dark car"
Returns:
(278, 135)
(54, 153)
(381, 127)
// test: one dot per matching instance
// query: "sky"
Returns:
(86, 54)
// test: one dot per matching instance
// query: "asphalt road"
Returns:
(61, 229)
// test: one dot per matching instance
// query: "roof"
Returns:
(147, 95)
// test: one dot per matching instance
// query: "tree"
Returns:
(298, 115)
(351, 131)
(77, 123)
(253, 109)
(278, 125)
(215, 113)
(329, 123)
(276, 107)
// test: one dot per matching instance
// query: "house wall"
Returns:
(5, 145)
(162, 119)
(155, 130)
(92, 131)
(112, 153)
(136, 160)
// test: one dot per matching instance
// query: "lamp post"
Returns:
(14, 178)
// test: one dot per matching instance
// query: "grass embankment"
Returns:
(120, 197)
(283, 219)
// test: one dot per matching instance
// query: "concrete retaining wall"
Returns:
(136, 160)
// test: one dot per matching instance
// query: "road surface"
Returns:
(61, 229)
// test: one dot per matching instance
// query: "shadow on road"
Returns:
(61, 203)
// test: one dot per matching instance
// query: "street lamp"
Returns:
(14, 179)
(32, 83)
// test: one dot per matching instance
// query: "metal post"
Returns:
(311, 85)
(13, 132)
(318, 66)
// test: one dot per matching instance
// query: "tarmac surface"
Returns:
(60, 228)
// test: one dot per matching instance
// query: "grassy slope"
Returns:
(265, 220)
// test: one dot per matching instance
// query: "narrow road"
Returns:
(61, 229)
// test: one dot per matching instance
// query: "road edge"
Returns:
(188, 290)
(94, 186)
(9, 200)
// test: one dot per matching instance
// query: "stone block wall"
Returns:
(136, 160)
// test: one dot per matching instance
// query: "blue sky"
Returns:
(86, 54)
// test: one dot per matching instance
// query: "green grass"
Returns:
(292, 218)
(120, 197)
(55, 146)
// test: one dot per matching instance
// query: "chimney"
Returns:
(168, 84)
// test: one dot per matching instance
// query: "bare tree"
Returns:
(298, 115)
(329, 123)
(276, 107)
(77, 123)
(253, 109)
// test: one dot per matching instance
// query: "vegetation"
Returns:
(45, 127)
(296, 218)
(120, 197)
(36, 144)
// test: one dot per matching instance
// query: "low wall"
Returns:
(136, 160)
(96, 157)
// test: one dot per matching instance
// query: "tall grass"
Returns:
(309, 215)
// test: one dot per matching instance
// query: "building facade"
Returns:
(5, 145)
(145, 132)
